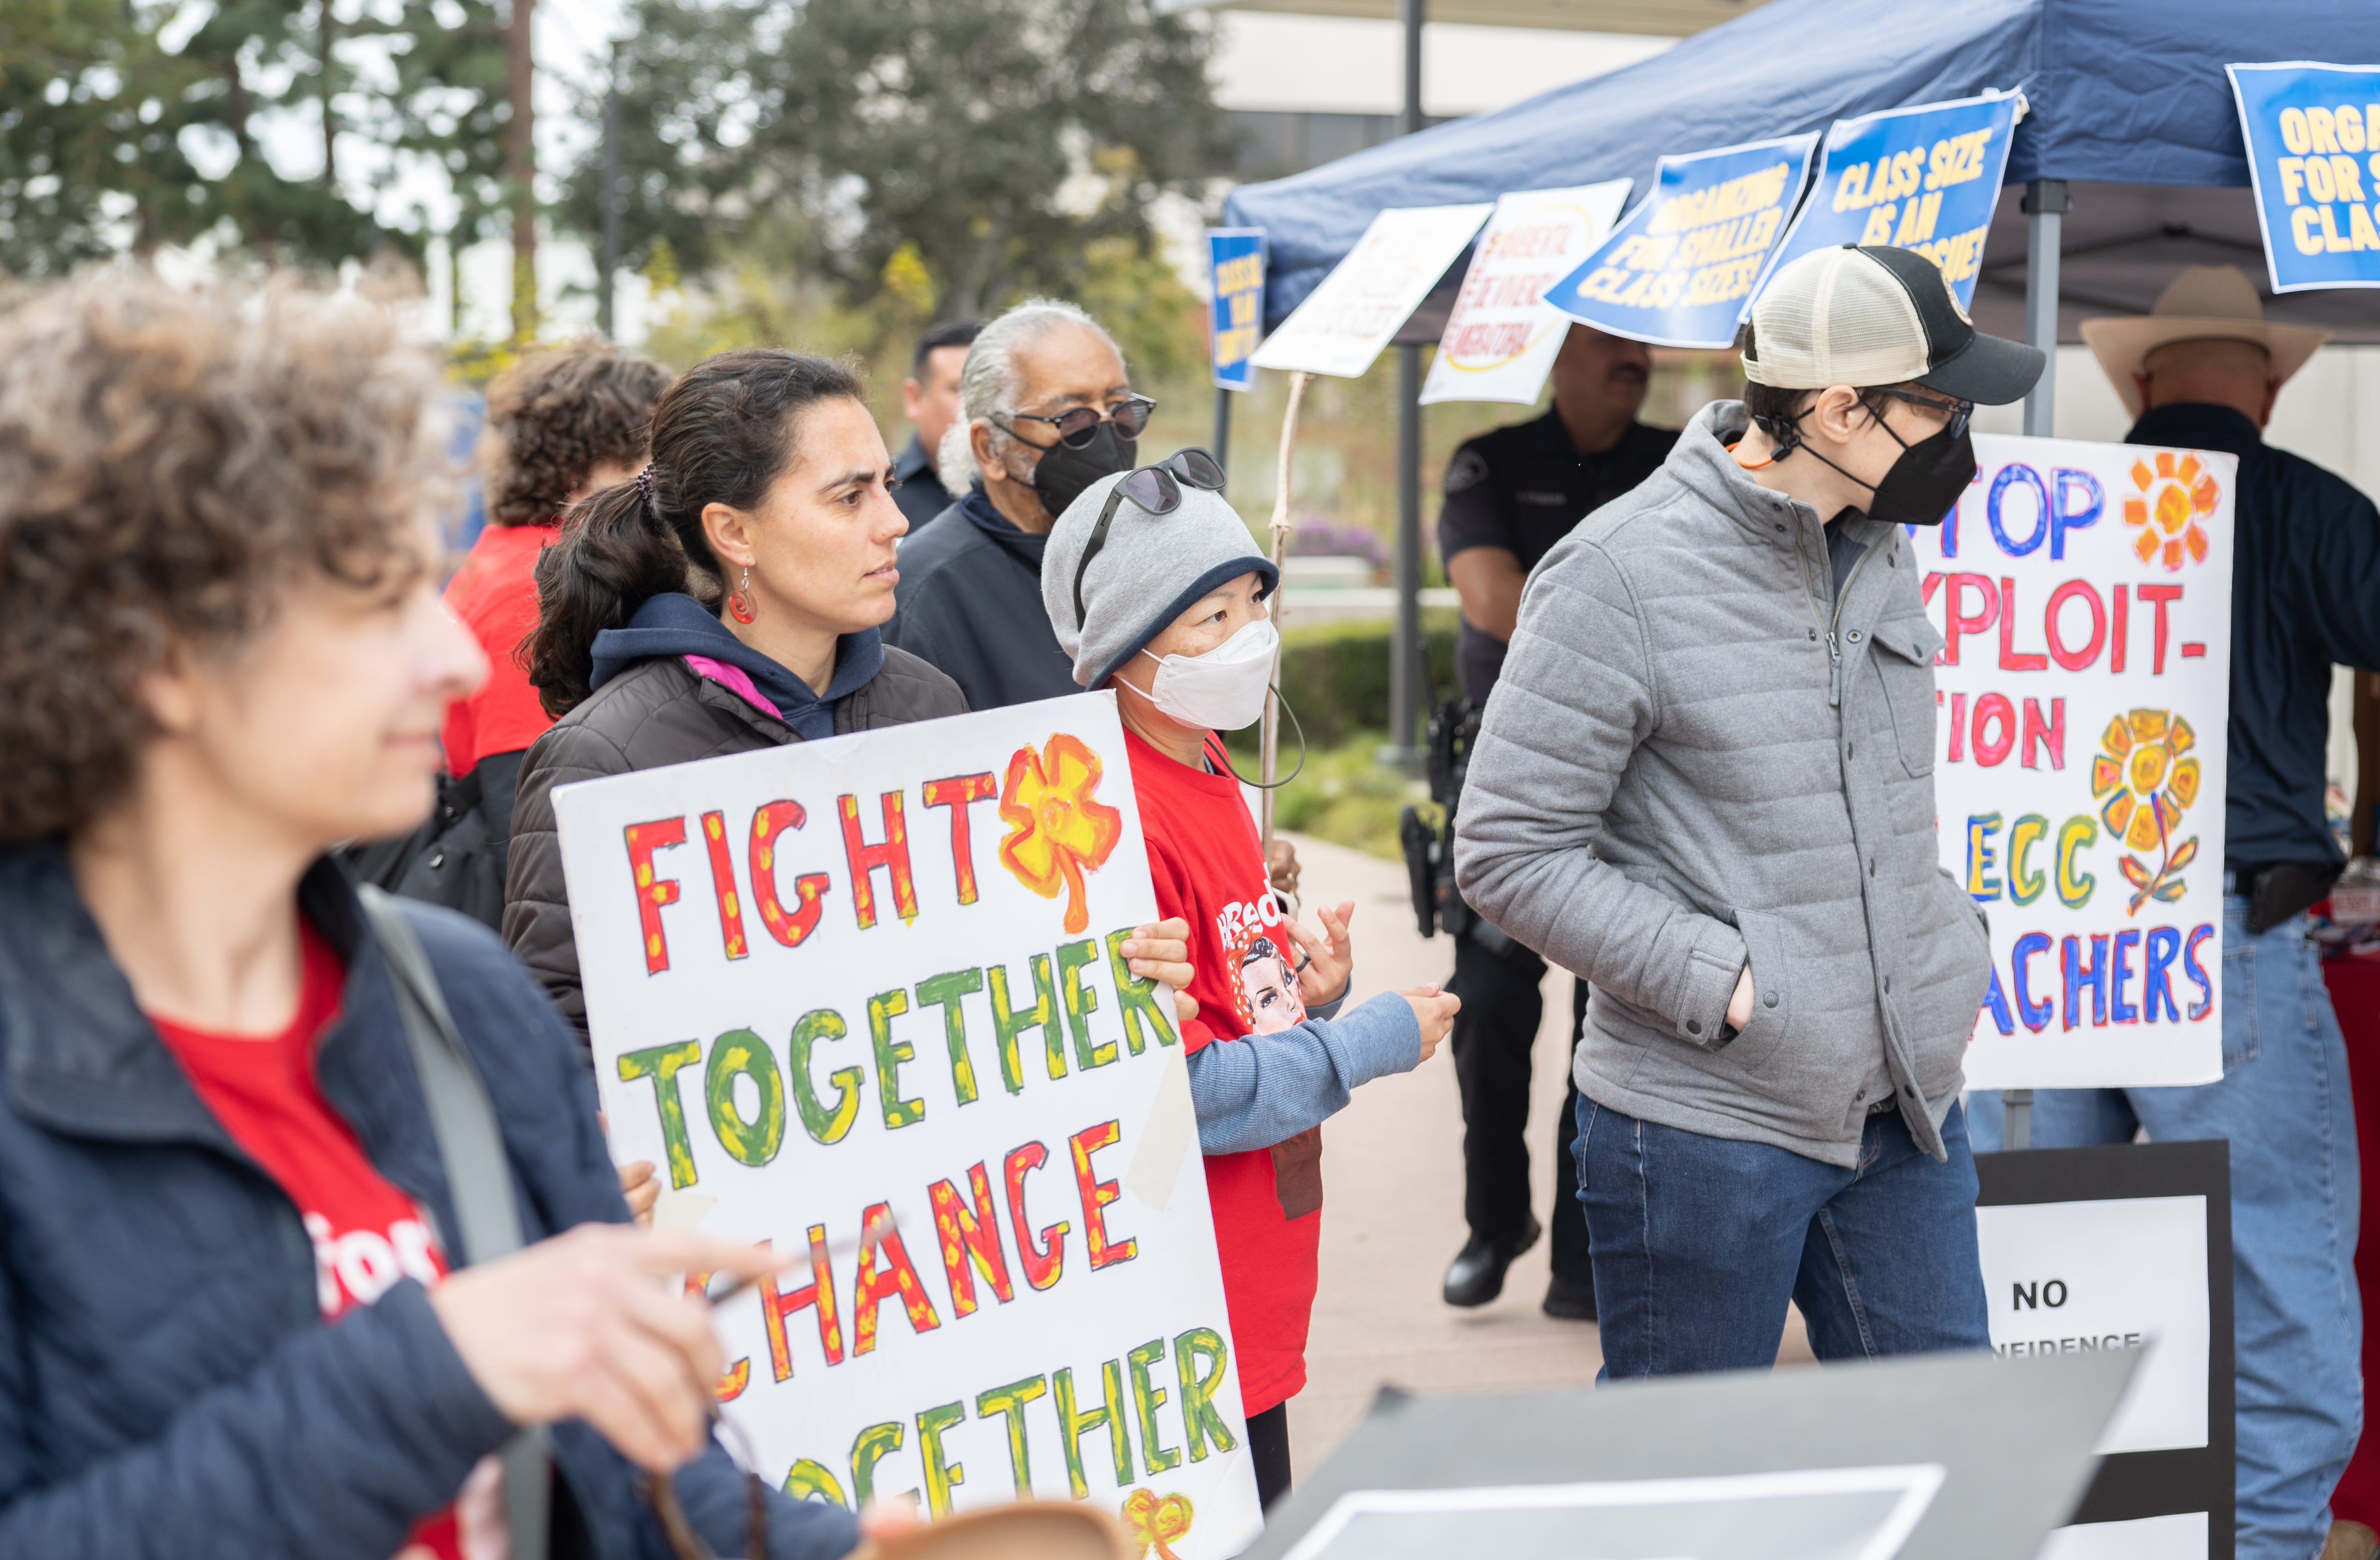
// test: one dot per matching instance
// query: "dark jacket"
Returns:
(970, 604)
(921, 495)
(2305, 593)
(657, 713)
(167, 1385)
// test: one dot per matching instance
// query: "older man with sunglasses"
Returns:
(1046, 410)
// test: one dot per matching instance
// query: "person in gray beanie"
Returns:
(1155, 590)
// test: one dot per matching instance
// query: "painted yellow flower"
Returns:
(2169, 500)
(1057, 828)
(2145, 778)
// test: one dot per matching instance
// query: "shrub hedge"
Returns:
(1335, 675)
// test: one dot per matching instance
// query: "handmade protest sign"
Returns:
(2081, 598)
(1923, 178)
(1680, 271)
(1354, 312)
(2313, 157)
(1501, 338)
(1235, 278)
(865, 999)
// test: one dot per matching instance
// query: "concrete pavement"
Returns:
(1393, 1209)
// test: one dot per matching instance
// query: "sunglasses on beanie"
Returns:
(1156, 491)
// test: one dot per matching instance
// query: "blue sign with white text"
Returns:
(1236, 268)
(2313, 153)
(1923, 178)
(1680, 270)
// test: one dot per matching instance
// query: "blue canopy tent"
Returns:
(2131, 119)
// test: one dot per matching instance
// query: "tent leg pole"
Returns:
(2045, 204)
(1220, 448)
(1408, 683)
(2018, 1103)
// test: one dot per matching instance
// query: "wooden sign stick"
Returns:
(1280, 529)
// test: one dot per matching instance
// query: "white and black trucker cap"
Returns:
(1868, 315)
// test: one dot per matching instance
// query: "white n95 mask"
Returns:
(1223, 690)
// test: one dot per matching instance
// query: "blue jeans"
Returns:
(1699, 1242)
(2297, 1321)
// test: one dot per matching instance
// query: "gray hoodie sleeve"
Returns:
(1264, 1089)
(1574, 704)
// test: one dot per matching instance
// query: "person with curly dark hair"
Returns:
(560, 425)
(235, 1317)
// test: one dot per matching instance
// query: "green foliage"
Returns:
(1335, 675)
(997, 142)
(111, 140)
(1345, 795)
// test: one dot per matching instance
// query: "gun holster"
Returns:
(1429, 851)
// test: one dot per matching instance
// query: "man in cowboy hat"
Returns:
(2201, 370)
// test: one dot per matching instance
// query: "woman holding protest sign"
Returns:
(768, 477)
(1154, 591)
(234, 1087)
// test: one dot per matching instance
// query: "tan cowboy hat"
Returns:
(2205, 303)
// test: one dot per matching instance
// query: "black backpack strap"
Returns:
(478, 1177)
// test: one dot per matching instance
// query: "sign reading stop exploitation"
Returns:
(2083, 593)
(865, 999)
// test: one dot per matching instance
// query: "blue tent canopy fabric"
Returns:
(2121, 92)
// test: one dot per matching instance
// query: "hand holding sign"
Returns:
(583, 1327)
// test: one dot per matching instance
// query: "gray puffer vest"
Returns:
(1701, 755)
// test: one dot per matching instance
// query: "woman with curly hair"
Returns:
(234, 1315)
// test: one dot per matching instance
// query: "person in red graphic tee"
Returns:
(1154, 589)
(227, 1327)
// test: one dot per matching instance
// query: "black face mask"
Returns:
(1924, 485)
(1065, 471)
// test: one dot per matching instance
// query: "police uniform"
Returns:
(1520, 488)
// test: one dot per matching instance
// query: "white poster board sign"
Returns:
(2123, 1273)
(1802, 1513)
(1354, 311)
(2082, 694)
(863, 998)
(1501, 338)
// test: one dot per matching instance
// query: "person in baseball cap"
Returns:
(1701, 785)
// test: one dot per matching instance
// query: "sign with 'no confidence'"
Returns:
(865, 999)
(2080, 596)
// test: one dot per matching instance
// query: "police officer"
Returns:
(1510, 494)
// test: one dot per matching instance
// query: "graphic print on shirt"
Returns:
(359, 1265)
(1255, 946)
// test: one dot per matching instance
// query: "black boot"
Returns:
(1476, 1275)
(1570, 1302)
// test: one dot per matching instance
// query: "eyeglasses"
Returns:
(660, 1491)
(1960, 413)
(1078, 425)
(1156, 490)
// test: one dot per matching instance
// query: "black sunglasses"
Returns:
(1958, 412)
(1078, 425)
(1156, 490)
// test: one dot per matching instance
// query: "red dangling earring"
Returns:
(739, 605)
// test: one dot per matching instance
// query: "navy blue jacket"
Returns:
(2305, 593)
(969, 602)
(167, 1385)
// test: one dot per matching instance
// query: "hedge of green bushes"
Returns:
(1335, 675)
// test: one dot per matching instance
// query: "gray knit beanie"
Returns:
(1148, 572)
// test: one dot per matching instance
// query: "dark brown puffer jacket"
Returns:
(661, 712)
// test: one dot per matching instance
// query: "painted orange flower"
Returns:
(2148, 779)
(2168, 501)
(1157, 1521)
(1057, 828)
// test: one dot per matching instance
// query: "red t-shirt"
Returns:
(494, 595)
(1209, 866)
(367, 1235)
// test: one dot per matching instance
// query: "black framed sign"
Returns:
(2126, 1248)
